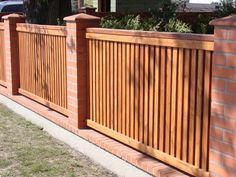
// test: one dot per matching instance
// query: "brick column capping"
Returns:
(77, 84)
(223, 113)
(11, 51)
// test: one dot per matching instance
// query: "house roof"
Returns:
(196, 7)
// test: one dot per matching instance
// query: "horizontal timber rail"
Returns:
(190, 41)
(2, 58)
(42, 55)
(42, 29)
(152, 91)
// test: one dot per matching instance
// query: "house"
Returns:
(198, 7)
(120, 5)
(144, 5)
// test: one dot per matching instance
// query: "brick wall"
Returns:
(223, 119)
(76, 54)
(11, 52)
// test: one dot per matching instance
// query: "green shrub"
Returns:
(151, 24)
(166, 10)
(175, 25)
(202, 25)
(226, 9)
(110, 22)
(165, 18)
(132, 22)
(161, 19)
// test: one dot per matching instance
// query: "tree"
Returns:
(47, 11)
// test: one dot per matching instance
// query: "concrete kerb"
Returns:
(96, 154)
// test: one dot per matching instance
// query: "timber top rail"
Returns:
(190, 41)
(42, 29)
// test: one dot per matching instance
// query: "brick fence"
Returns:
(223, 112)
(222, 157)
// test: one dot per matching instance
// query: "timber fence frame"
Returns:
(221, 127)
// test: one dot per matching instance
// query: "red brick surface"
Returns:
(231, 87)
(217, 108)
(224, 72)
(229, 162)
(230, 112)
(77, 67)
(11, 50)
(230, 138)
(230, 61)
(217, 133)
(216, 157)
(223, 119)
(218, 84)
(219, 59)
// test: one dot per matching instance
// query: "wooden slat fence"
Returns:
(42, 55)
(2, 58)
(152, 92)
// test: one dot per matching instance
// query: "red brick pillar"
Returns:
(77, 67)
(11, 51)
(223, 114)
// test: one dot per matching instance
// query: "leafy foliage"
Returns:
(226, 8)
(162, 19)
(166, 11)
(165, 18)
(130, 22)
(202, 25)
(175, 25)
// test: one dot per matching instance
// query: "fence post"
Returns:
(223, 113)
(11, 51)
(77, 88)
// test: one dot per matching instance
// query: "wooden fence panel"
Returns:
(2, 57)
(42, 54)
(153, 93)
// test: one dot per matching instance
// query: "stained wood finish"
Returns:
(42, 29)
(191, 44)
(43, 66)
(2, 58)
(156, 97)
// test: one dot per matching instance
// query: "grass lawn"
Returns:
(26, 150)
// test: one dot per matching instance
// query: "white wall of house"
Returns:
(113, 5)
